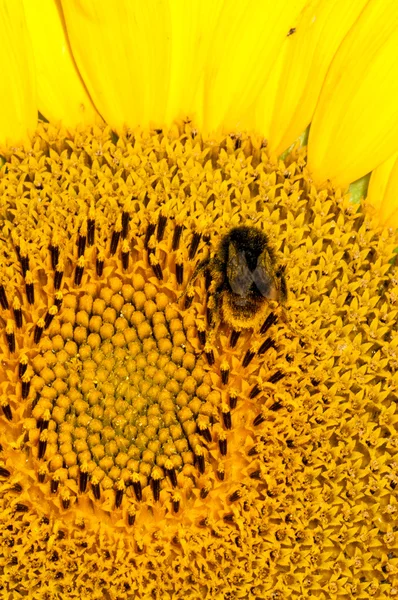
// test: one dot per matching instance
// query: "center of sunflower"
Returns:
(122, 392)
(152, 388)
(150, 355)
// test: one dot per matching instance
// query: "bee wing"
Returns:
(263, 277)
(238, 273)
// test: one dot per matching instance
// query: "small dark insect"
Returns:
(244, 278)
(291, 31)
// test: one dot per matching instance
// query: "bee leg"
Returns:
(213, 310)
(282, 313)
(199, 269)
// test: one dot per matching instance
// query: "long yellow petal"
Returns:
(383, 191)
(18, 109)
(192, 29)
(247, 39)
(122, 50)
(311, 45)
(61, 94)
(355, 126)
(264, 108)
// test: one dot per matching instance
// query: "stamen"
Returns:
(157, 269)
(255, 391)
(79, 270)
(171, 473)
(179, 273)
(99, 265)
(221, 472)
(3, 297)
(83, 478)
(38, 330)
(41, 475)
(269, 321)
(59, 273)
(222, 443)
(24, 259)
(250, 354)
(204, 430)
(226, 415)
(91, 226)
(201, 329)
(209, 352)
(131, 516)
(176, 237)
(259, 419)
(25, 385)
(179, 268)
(30, 293)
(149, 233)
(115, 239)
(42, 444)
(81, 245)
(176, 499)
(10, 336)
(194, 245)
(44, 421)
(137, 487)
(224, 368)
(200, 459)
(233, 340)
(53, 310)
(233, 399)
(277, 376)
(65, 498)
(235, 496)
(125, 224)
(17, 312)
(155, 483)
(120, 488)
(54, 251)
(58, 299)
(162, 220)
(204, 492)
(266, 345)
(95, 486)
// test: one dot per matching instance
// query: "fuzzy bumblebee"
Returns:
(244, 279)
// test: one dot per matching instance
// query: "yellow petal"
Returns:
(122, 50)
(61, 94)
(355, 126)
(192, 27)
(247, 40)
(310, 49)
(18, 110)
(383, 191)
(265, 105)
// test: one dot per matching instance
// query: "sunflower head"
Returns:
(144, 426)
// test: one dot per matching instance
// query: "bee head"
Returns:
(250, 267)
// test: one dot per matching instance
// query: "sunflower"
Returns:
(199, 339)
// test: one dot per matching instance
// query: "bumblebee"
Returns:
(243, 278)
